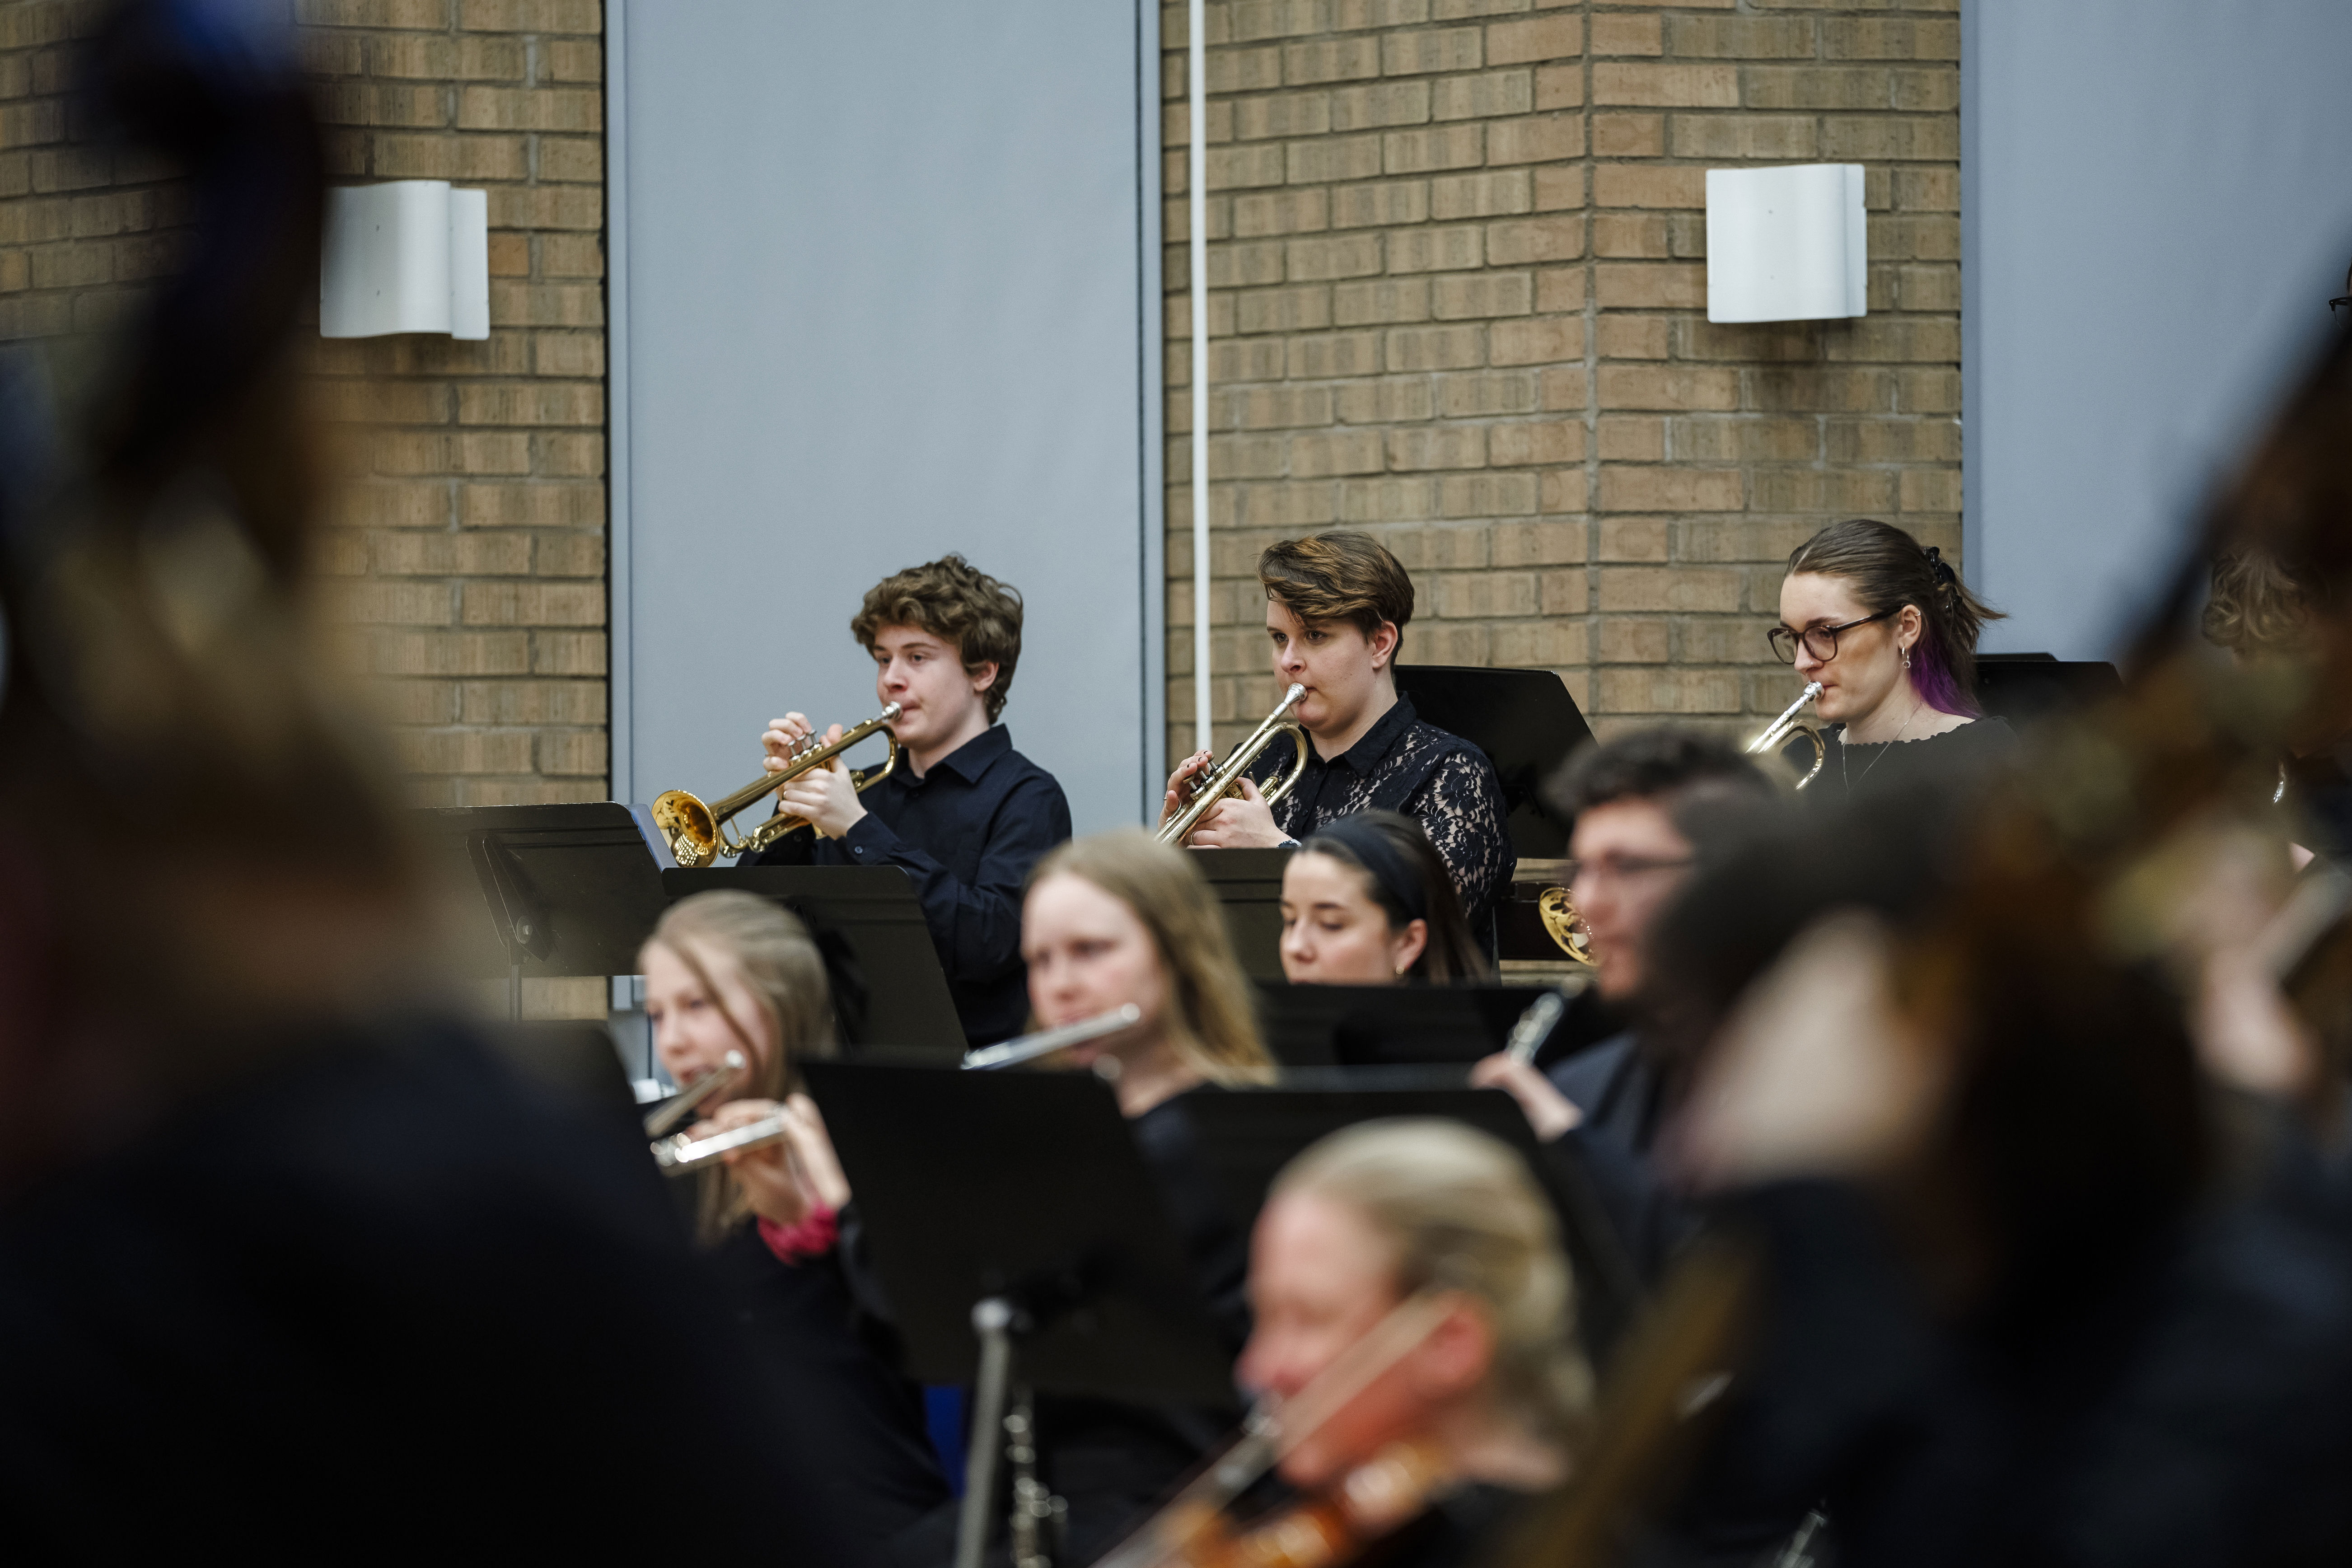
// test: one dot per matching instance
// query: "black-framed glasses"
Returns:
(1820, 641)
(1622, 868)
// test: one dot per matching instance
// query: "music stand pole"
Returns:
(991, 1320)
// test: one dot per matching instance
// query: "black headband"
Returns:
(1376, 853)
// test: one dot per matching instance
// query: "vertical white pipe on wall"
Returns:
(1196, 189)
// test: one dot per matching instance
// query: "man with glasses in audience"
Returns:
(1647, 808)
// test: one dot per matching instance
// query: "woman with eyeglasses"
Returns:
(1890, 632)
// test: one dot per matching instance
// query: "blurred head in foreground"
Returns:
(1441, 1216)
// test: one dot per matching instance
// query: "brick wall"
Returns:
(466, 555)
(1457, 272)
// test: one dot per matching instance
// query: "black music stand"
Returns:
(2025, 686)
(1246, 1137)
(1012, 1216)
(566, 890)
(1527, 723)
(888, 988)
(1248, 885)
(573, 1060)
(1386, 1026)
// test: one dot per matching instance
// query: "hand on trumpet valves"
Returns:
(784, 1181)
(1240, 821)
(1181, 783)
(825, 795)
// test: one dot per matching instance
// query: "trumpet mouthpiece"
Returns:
(890, 710)
(1812, 689)
(1294, 694)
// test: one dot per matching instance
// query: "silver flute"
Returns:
(679, 1154)
(673, 1110)
(1045, 1042)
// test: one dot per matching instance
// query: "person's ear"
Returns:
(984, 676)
(1383, 642)
(1406, 946)
(1457, 1356)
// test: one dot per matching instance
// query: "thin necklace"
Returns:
(1842, 768)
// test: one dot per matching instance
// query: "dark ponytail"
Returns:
(1889, 570)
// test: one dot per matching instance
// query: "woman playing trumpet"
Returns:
(1889, 632)
(731, 972)
(1336, 610)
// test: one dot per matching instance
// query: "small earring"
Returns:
(1906, 659)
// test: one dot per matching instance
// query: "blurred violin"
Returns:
(1370, 1502)
(1393, 1485)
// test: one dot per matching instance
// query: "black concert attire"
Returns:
(966, 833)
(2186, 1400)
(1621, 1095)
(835, 1364)
(1932, 769)
(1436, 777)
(1463, 1529)
(376, 1294)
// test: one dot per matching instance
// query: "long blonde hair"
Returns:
(780, 966)
(1461, 1212)
(1210, 1023)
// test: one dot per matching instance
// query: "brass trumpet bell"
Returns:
(697, 834)
(1225, 778)
(1787, 726)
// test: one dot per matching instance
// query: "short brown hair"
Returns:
(1340, 576)
(952, 600)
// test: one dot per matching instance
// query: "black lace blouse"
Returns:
(1436, 777)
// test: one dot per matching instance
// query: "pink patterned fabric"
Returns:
(812, 1238)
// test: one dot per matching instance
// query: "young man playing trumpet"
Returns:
(963, 814)
(1336, 610)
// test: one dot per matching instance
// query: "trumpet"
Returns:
(1225, 778)
(697, 834)
(1788, 724)
(672, 1112)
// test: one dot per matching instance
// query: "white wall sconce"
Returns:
(408, 255)
(1786, 245)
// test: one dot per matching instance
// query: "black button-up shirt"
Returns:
(966, 834)
(1430, 775)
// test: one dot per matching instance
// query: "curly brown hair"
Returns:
(1341, 575)
(955, 601)
(2257, 605)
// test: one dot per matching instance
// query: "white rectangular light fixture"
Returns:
(408, 255)
(1790, 244)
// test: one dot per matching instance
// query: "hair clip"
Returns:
(1945, 576)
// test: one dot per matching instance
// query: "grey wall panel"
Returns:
(2157, 207)
(884, 299)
